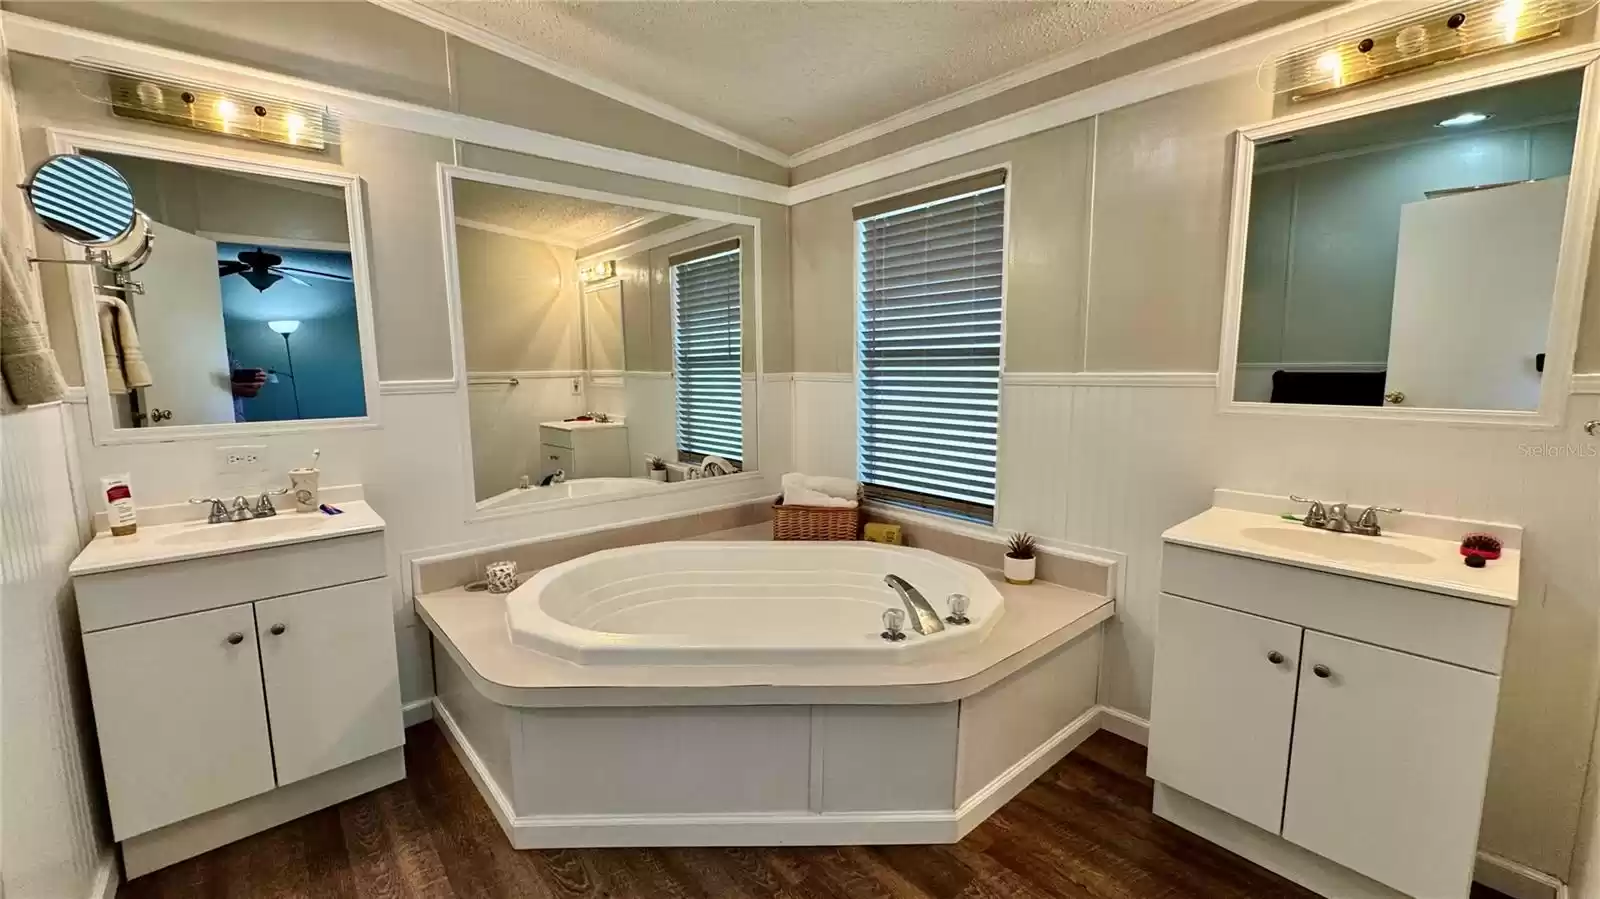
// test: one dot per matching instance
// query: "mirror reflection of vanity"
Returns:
(236, 293)
(1406, 259)
(607, 341)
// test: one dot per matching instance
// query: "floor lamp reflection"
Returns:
(286, 328)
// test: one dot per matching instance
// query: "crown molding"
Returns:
(650, 241)
(1240, 55)
(1183, 17)
(36, 37)
(502, 230)
(488, 40)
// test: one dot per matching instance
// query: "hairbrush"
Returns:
(1483, 546)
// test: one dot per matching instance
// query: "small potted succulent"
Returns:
(1020, 561)
(656, 467)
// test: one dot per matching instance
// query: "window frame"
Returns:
(917, 502)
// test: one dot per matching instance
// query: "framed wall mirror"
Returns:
(250, 309)
(607, 346)
(1418, 255)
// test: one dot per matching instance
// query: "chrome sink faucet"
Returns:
(1336, 517)
(924, 620)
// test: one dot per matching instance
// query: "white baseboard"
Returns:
(107, 877)
(417, 711)
(1126, 725)
(1516, 879)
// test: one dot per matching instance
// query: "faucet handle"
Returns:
(264, 507)
(894, 621)
(959, 603)
(1368, 522)
(1317, 515)
(219, 511)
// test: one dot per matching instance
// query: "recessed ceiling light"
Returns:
(1466, 118)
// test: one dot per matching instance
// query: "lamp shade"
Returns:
(284, 327)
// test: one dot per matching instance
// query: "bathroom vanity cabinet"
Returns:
(1333, 728)
(584, 449)
(235, 691)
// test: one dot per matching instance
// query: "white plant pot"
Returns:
(658, 474)
(1019, 571)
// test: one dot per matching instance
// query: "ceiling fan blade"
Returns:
(224, 269)
(313, 273)
(300, 281)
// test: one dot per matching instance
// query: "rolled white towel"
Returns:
(800, 496)
(842, 488)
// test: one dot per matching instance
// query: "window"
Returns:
(929, 345)
(706, 340)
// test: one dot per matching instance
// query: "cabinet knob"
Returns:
(276, 630)
(1275, 657)
(235, 638)
(1322, 671)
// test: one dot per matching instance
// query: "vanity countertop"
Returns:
(1427, 563)
(583, 425)
(182, 541)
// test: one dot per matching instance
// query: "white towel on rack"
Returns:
(119, 345)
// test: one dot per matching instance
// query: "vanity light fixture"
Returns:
(209, 108)
(1441, 33)
(600, 271)
(1464, 119)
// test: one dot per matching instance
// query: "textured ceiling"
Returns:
(558, 219)
(792, 74)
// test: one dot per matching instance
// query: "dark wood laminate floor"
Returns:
(1084, 831)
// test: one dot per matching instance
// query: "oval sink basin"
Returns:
(211, 534)
(1337, 547)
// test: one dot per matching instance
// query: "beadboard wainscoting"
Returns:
(1111, 460)
(51, 825)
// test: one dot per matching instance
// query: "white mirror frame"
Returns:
(102, 420)
(1571, 270)
(448, 174)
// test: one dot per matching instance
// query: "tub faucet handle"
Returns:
(959, 603)
(894, 621)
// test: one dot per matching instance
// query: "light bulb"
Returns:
(294, 121)
(226, 109)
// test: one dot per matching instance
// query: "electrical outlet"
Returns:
(241, 459)
(577, 387)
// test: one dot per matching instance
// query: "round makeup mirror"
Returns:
(83, 199)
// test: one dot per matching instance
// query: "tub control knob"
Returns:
(959, 603)
(894, 621)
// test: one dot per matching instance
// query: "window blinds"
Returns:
(929, 344)
(706, 342)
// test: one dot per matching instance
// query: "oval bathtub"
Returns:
(519, 496)
(743, 603)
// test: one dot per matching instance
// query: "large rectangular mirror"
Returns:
(608, 342)
(249, 306)
(1409, 257)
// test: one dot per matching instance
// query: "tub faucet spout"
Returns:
(924, 620)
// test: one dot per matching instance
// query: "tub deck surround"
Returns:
(196, 539)
(751, 602)
(471, 627)
(1419, 552)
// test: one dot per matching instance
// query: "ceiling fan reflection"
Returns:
(263, 269)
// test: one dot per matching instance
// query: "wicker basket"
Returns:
(815, 522)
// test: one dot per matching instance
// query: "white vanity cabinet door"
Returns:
(1223, 709)
(1391, 755)
(180, 716)
(332, 682)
